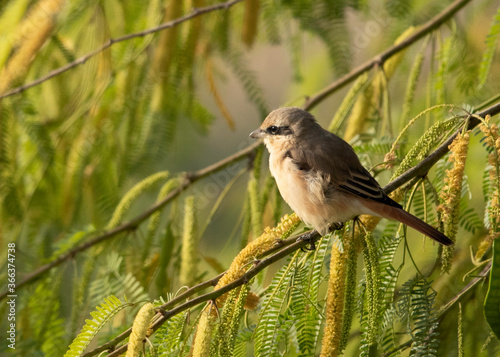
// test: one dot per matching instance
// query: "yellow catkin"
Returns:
(164, 53)
(451, 193)
(250, 22)
(372, 289)
(192, 43)
(349, 100)
(255, 249)
(359, 113)
(251, 302)
(492, 138)
(370, 98)
(140, 330)
(189, 253)
(334, 304)
(154, 220)
(201, 344)
(40, 27)
(209, 73)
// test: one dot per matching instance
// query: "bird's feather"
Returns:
(352, 178)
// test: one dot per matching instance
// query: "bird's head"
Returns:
(284, 124)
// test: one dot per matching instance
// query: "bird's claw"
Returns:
(309, 238)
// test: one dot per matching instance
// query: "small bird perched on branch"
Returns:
(321, 178)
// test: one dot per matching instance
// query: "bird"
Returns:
(321, 178)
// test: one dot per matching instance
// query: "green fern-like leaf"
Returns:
(300, 307)
(350, 295)
(72, 241)
(109, 308)
(47, 333)
(271, 11)
(249, 82)
(388, 275)
(388, 279)
(242, 341)
(272, 324)
(470, 220)
(492, 301)
(133, 194)
(424, 316)
(375, 146)
(326, 19)
(371, 312)
(114, 283)
(443, 69)
(350, 99)
(412, 83)
(491, 47)
(168, 338)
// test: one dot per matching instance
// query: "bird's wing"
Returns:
(336, 159)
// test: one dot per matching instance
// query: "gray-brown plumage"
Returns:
(320, 176)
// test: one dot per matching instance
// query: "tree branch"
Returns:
(194, 13)
(378, 60)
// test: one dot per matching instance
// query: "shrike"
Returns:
(321, 178)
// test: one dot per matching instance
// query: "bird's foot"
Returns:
(310, 238)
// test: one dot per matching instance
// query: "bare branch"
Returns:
(195, 13)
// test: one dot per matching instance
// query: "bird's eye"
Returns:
(273, 129)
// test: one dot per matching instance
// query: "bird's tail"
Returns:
(404, 217)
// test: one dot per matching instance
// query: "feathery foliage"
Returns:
(103, 313)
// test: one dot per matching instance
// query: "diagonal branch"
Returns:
(195, 13)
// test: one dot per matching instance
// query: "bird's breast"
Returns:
(311, 194)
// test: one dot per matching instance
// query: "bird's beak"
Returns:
(257, 134)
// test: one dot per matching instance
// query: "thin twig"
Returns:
(378, 60)
(195, 13)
